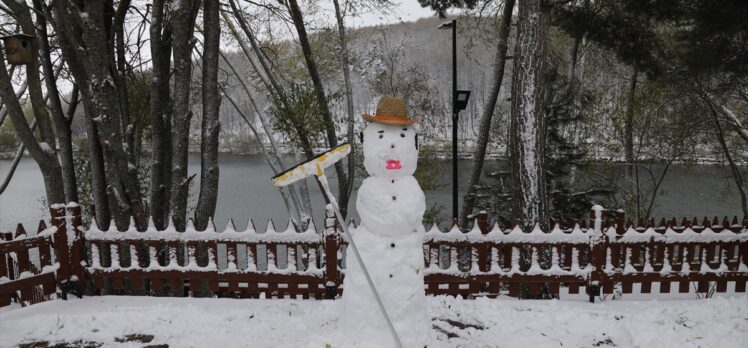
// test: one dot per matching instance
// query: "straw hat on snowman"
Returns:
(391, 110)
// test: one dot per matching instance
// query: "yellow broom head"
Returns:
(314, 166)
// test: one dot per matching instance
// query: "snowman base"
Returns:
(398, 278)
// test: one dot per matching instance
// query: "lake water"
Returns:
(245, 191)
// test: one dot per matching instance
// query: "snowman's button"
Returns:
(394, 198)
(390, 275)
(392, 245)
(418, 270)
(393, 181)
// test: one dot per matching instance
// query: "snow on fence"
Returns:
(32, 268)
(269, 264)
(482, 262)
(614, 251)
(612, 254)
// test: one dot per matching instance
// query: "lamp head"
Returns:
(462, 99)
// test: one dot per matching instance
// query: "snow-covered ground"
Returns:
(122, 321)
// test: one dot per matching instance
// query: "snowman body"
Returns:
(390, 242)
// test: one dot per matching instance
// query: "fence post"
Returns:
(620, 223)
(58, 217)
(482, 222)
(597, 251)
(77, 246)
(332, 241)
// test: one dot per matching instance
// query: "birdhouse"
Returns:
(18, 48)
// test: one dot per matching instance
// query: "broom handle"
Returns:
(323, 180)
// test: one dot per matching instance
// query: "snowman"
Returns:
(389, 238)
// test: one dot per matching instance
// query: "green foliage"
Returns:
(430, 176)
(430, 170)
(300, 117)
(441, 6)
(8, 140)
(568, 199)
(675, 38)
(610, 24)
(139, 97)
(433, 215)
(244, 143)
(82, 166)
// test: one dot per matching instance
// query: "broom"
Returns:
(316, 166)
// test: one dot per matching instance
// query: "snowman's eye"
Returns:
(402, 135)
(381, 136)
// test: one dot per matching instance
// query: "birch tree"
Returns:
(527, 125)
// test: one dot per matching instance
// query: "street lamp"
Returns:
(459, 102)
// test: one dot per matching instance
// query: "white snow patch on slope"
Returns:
(189, 322)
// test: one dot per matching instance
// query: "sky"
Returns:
(405, 10)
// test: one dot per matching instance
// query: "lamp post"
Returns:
(459, 102)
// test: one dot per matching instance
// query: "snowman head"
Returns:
(390, 145)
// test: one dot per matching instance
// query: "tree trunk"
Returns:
(289, 194)
(266, 74)
(311, 65)
(527, 135)
(68, 34)
(44, 153)
(206, 204)
(721, 137)
(118, 30)
(159, 111)
(485, 123)
(19, 93)
(44, 156)
(183, 21)
(62, 126)
(23, 16)
(345, 65)
(735, 122)
(86, 44)
(573, 133)
(629, 127)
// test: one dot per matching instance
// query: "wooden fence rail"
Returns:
(604, 254)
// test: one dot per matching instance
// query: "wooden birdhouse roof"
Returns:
(19, 35)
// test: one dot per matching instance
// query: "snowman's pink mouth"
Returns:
(393, 165)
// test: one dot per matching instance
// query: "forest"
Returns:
(110, 97)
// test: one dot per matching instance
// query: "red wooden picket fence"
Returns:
(273, 263)
(611, 251)
(604, 254)
(33, 268)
